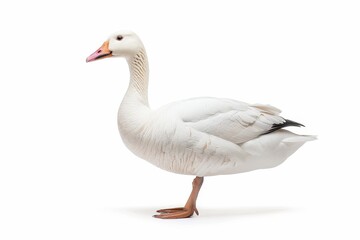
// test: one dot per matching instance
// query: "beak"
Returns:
(102, 52)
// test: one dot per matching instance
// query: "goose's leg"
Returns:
(190, 206)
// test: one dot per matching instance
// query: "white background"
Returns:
(65, 174)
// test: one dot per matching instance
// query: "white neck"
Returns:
(139, 78)
(134, 109)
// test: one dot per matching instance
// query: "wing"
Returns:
(231, 120)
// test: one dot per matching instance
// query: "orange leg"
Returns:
(190, 206)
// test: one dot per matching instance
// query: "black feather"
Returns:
(287, 123)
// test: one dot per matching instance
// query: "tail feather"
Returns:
(300, 138)
(286, 123)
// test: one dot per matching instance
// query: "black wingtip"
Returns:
(286, 123)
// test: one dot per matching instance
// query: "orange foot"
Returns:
(190, 206)
(174, 213)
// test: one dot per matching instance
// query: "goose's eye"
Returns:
(119, 38)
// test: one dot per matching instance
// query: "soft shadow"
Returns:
(243, 211)
(143, 211)
(210, 212)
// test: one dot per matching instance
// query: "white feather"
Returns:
(199, 136)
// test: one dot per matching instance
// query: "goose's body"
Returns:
(226, 137)
(199, 136)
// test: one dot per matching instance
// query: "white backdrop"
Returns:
(64, 172)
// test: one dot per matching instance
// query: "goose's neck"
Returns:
(139, 78)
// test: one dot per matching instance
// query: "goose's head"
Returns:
(121, 44)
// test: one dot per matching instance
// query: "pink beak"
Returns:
(102, 52)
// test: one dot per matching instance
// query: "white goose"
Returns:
(199, 136)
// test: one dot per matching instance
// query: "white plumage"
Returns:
(199, 136)
(208, 136)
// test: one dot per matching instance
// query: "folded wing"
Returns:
(231, 120)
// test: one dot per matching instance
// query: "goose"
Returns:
(202, 136)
